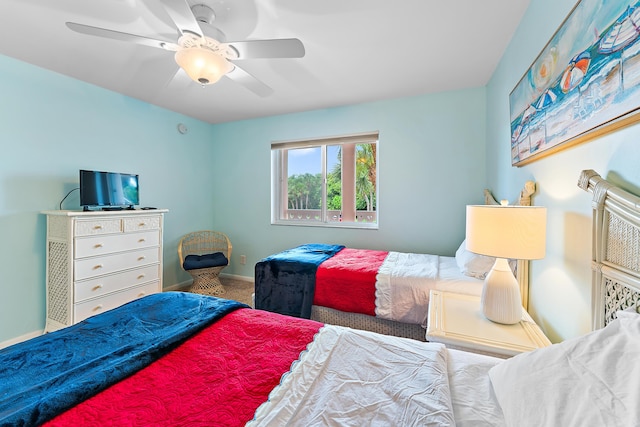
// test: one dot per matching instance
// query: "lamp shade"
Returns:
(517, 232)
(202, 65)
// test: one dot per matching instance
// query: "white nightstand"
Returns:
(457, 321)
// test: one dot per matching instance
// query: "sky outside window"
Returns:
(307, 160)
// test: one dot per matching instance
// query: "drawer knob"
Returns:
(97, 307)
(98, 227)
(96, 287)
(141, 276)
(98, 245)
(98, 267)
(141, 294)
(142, 240)
(142, 224)
(141, 258)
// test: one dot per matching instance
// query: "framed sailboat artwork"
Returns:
(585, 82)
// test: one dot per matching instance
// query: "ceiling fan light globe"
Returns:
(202, 65)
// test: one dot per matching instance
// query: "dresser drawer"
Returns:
(90, 227)
(139, 223)
(102, 285)
(99, 305)
(92, 267)
(107, 244)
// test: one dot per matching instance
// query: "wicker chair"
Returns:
(198, 243)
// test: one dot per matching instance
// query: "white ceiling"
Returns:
(356, 50)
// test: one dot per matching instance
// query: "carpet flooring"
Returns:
(239, 290)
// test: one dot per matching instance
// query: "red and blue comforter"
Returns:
(168, 359)
(333, 276)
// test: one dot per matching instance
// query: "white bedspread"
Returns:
(474, 403)
(404, 281)
(349, 377)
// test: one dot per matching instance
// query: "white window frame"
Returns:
(279, 176)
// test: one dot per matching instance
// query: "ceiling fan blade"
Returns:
(240, 76)
(117, 35)
(270, 48)
(180, 80)
(180, 12)
(145, 84)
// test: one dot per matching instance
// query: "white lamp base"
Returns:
(501, 302)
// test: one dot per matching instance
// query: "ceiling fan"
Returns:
(206, 59)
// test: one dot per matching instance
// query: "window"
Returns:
(326, 182)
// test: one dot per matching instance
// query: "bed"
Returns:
(379, 291)
(179, 359)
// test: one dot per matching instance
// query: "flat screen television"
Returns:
(108, 190)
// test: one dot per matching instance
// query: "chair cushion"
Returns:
(192, 262)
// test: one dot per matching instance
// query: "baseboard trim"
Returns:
(21, 338)
(187, 283)
(177, 286)
(237, 277)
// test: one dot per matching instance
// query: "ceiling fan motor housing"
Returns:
(203, 13)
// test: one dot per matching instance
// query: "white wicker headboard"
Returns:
(615, 248)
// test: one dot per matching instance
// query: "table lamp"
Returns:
(516, 232)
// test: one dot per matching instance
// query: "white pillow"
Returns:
(628, 319)
(472, 264)
(591, 380)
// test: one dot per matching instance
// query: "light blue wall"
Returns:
(431, 163)
(52, 126)
(560, 292)
(437, 153)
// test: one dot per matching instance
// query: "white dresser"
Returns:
(99, 260)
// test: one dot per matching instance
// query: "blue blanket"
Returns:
(285, 282)
(47, 375)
